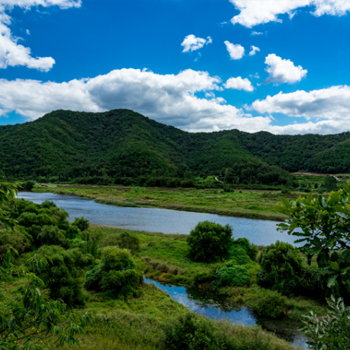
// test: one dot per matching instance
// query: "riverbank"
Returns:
(253, 204)
(165, 259)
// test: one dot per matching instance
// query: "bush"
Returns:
(62, 274)
(281, 268)
(191, 332)
(210, 242)
(231, 275)
(269, 304)
(129, 241)
(81, 223)
(28, 185)
(117, 259)
(52, 235)
(250, 248)
(239, 255)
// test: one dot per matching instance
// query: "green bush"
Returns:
(52, 235)
(129, 241)
(239, 255)
(192, 332)
(117, 259)
(28, 185)
(210, 242)
(81, 223)
(231, 275)
(281, 268)
(17, 238)
(269, 304)
(250, 248)
(62, 275)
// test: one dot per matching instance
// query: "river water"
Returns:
(260, 232)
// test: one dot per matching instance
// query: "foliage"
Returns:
(81, 223)
(239, 255)
(281, 268)
(28, 185)
(129, 241)
(28, 318)
(63, 272)
(8, 191)
(330, 183)
(231, 275)
(209, 242)
(331, 331)
(115, 275)
(271, 304)
(324, 227)
(15, 238)
(192, 332)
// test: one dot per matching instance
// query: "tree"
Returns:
(8, 191)
(323, 225)
(28, 318)
(210, 242)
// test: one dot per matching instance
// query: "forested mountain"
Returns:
(125, 144)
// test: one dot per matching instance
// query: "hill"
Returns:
(122, 144)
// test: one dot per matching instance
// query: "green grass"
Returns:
(241, 203)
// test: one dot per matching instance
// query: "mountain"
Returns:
(122, 143)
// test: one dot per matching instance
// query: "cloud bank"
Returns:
(169, 99)
(257, 12)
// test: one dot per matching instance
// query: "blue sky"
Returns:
(200, 65)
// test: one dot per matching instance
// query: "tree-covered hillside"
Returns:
(122, 144)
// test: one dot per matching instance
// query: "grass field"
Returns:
(240, 203)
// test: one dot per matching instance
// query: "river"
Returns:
(260, 232)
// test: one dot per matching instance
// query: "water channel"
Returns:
(261, 232)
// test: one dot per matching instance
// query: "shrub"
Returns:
(61, 276)
(28, 185)
(129, 241)
(269, 304)
(281, 268)
(239, 255)
(250, 248)
(231, 275)
(16, 238)
(52, 235)
(81, 223)
(209, 242)
(117, 259)
(191, 332)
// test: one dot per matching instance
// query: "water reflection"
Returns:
(261, 232)
(216, 308)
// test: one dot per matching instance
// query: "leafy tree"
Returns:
(81, 223)
(8, 191)
(210, 242)
(330, 183)
(28, 318)
(323, 225)
(28, 185)
(331, 331)
(129, 241)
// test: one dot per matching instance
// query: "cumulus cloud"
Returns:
(193, 43)
(283, 71)
(14, 54)
(258, 12)
(169, 98)
(253, 50)
(239, 84)
(236, 51)
(327, 110)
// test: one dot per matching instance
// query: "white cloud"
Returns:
(253, 50)
(327, 110)
(256, 33)
(14, 54)
(170, 99)
(263, 11)
(236, 51)
(283, 71)
(239, 84)
(193, 43)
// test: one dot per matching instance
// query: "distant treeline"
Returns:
(122, 146)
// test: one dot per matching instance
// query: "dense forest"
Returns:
(121, 146)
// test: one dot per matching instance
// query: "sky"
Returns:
(280, 66)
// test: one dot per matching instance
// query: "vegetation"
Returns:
(123, 147)
(210, 242)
